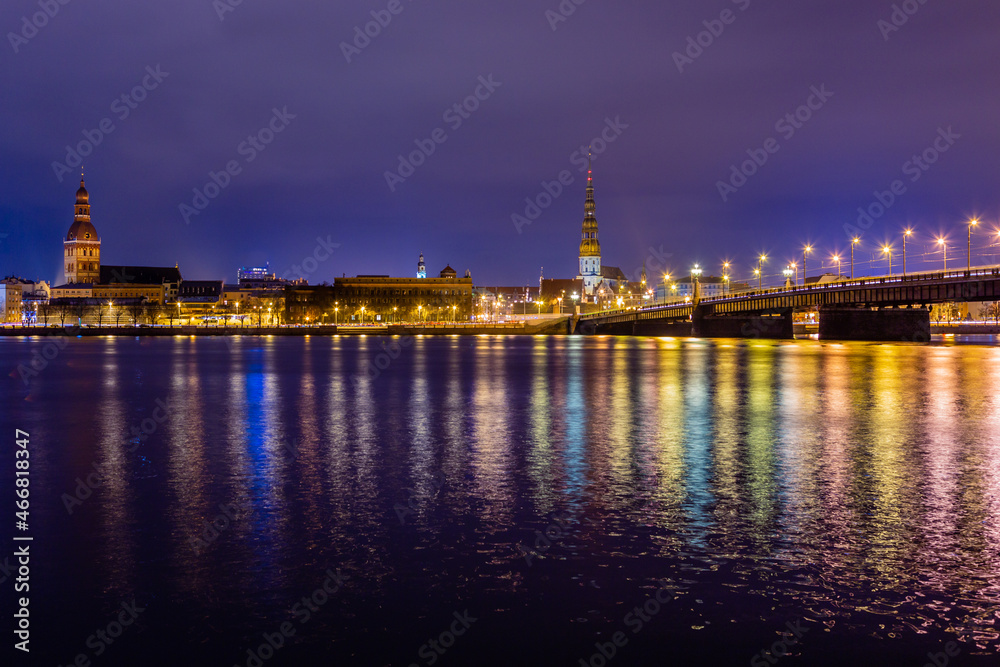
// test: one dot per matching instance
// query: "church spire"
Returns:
(589, 245)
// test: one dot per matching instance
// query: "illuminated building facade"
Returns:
(82, 246)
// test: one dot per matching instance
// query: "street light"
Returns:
(725, 275)
(886, 250)
(906, 234)
(836, 258)
(795, 268)
(944, 248)
(855, 241)
(805, 251)
(789, 272)
(756, 273)
(760, 270)
(666, 279)
(972, 223)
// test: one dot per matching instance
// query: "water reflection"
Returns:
(843, 481)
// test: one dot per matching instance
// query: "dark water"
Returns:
(840, 503)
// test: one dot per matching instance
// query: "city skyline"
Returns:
(318, 154)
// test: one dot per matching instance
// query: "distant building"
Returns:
(11, 307)
(556, 289)
(825, 278)
(596, 279)
(710, 286)
(82, 246)
(88, 279)
(384, 298)
(262, 278)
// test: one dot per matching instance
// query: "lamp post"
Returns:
(805, 251)
(944, 249)
(756, 273)
(836, 258)
(666, 293)
(886, 250)
(725, 275)
(855, 241)
(760, 270)
(788, 274)
(795, 269)
(906, 234)
(696, 273)
(725, 284)
(972, 223)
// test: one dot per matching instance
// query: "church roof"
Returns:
(82, 230)
(612, 273)
(139, 275)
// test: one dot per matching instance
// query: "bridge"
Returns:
(879, 308)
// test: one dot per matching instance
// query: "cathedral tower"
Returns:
(590, 248)
(82, 247)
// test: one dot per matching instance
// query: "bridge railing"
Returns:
(920, 277)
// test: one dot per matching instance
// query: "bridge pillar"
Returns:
(902, 324)
(768, 324)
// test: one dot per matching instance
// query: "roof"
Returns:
(199, 288)
(82, 230)
(141, 275)
(553, 287)
(612, 273)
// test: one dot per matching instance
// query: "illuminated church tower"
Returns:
(82, 247)
(590, 248)
(421, 267)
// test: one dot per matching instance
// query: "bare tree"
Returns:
(136, 310)
(63, 310)
(990, 311)
(45, 309)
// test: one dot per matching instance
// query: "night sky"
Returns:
(551, 91)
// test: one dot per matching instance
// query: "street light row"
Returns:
(886, 249)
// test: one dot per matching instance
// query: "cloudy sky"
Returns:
(163, 95)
